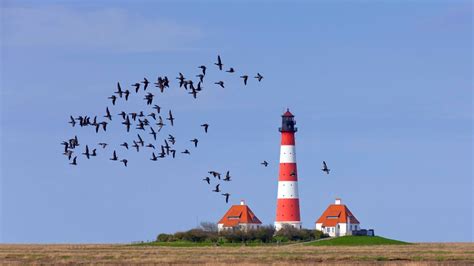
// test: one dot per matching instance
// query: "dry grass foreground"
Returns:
(424, 253)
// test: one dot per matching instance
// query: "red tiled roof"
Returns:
(288, 113)
(335, 214)
(239, 214)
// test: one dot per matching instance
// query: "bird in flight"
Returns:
(154, 157)
(162, 153)
(186, 152)
(201, 77)
(149, 98)
(265, 163)
(325, 168)
(68, 153)
(245, 77)
(158, 108)
(259, 77)
(87, 154)
(160, 123)
(153, 133)
(137, 86)
(145, 83)
(127, 123)
(226, 197)
(199, 86)
(125, 144)
(73, 121)
(124, 161)
(140, 140)
(172, 139)
(227, 176)
(167, 147)
(217, 188)
(123, 114)
(219, 62)
(193, 92)
(119, 90)
(136, 146)
(149, 145)
(127, 93)
(134, 116)
(103, 145)
(195, 141)
(203, 68)
(231, 70)
(113, 98)
(207, 179)
(206, 126)
(107, 114)
(114, 157)
(74, 162)
(293, 173)
(181, 78)
(173, 153)
(170, 118)
(152, 115)
(220, 83)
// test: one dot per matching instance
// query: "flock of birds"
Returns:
(150, 122)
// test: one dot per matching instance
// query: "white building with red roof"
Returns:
(239, 217)
(337, 220)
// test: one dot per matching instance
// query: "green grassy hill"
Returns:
(357, 241)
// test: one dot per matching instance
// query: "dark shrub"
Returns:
(265, 233)
(164, 237)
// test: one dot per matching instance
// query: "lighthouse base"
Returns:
(280, 225)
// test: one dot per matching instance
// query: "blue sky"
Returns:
(381, 90)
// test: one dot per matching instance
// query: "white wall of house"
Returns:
(318, 226)
(341, 229)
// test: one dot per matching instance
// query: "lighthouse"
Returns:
(288, 204)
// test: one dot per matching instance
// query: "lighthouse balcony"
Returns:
(288, 129)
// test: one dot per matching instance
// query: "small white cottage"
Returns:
(337, 220)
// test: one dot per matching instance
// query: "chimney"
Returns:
(242, 202)
(338, 201)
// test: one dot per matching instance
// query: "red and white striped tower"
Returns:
(288, 203)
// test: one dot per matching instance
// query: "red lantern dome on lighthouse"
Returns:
(288, 204)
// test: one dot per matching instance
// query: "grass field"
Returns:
(422, 253)
(357, 241)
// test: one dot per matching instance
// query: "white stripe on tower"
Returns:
(287, 189)
(287, 154)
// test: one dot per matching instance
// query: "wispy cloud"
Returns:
(104, 29)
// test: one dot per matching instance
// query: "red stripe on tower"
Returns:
(288, 203)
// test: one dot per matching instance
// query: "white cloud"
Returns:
(108, 29)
